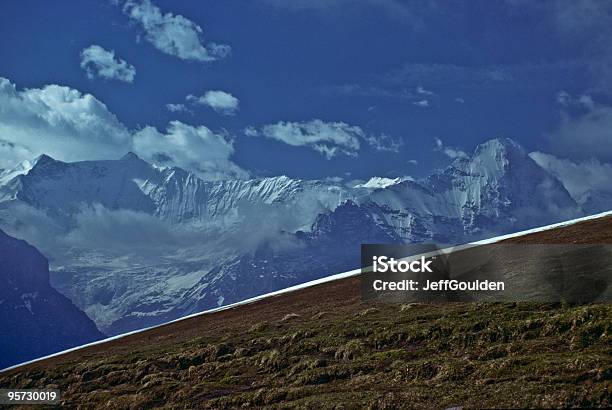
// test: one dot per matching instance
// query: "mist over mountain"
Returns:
(134, 244)
(41, 320)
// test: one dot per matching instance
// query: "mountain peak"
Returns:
(130, 156)
(500, 145)
(494, 154)
(44, 162)
(44, 159)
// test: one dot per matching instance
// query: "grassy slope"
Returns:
(323, 346)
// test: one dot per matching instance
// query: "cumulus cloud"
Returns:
(176, 107)
(251, 131)
(220, 101)
(328, 138)
(173, 34)
(58, 121)
(98, 62)
(578, 177)
(459, 100)
(189, 147)
(71, 126)
(421, 103)
(450, 152)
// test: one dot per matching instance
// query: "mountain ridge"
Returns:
(191, 236)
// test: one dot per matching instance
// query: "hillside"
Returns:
(323, 346)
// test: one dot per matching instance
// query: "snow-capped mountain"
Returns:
(7, 174)
(135, 244)
(381, 182)
(498, 189)
(36, 319)
(173, 194)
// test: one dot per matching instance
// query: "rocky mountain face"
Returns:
(144, 244)
(36, 320)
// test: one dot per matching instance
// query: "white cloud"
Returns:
(174, 34)
(71, 126)
(220, 101)
(450, 152)
(251, 131)
(588, 135)
(384, 142)
(413, 162)
(328, 138)
(423, 91)
(582, 101)
(177, 108)
(189, 147)
(419, 96)
(12, 153)
(58, 121)
(578, 177)
(98, 62)
(459, 100)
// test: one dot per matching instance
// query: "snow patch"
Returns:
(382, 182)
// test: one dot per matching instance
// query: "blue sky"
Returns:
(321, 88)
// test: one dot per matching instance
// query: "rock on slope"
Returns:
(35, 319)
